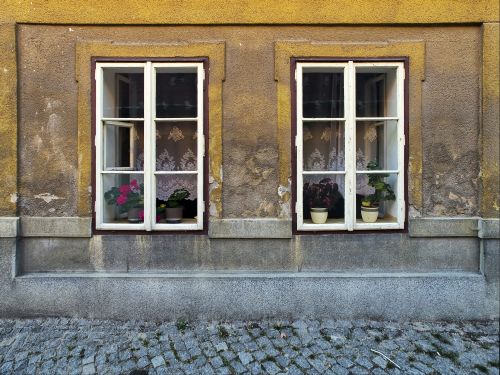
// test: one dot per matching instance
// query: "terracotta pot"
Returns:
(319, 215)
(369, 214)
(174, 215)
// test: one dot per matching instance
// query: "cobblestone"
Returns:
(81, 346)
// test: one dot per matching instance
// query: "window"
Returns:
(150, 143)
(350, 146)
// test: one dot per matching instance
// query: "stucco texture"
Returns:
(48, 162)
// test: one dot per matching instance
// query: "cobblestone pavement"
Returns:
(78, 346)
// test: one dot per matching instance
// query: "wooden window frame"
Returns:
(350, 224)
(149, 225)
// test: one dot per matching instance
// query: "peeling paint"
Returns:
(13, 198)
(47, 197)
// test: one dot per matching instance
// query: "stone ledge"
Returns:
(9, 226)
(432, 297)
(489, 228)
(443, 227)
(56, 227)
(250, 228)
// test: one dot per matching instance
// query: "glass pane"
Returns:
(176, 199)
(376, 92)
(323, 145)
(176, 146)
(123, 198)
(123, 145)
(376, 145)
(323, 93)
(376, 192)
(176, 92)
(324, 191)
(123, 92)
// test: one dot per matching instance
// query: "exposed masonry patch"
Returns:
(47, 197)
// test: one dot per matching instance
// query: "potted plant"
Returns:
(322, 200)
(383, 192)
(128, 198)
(173, 205)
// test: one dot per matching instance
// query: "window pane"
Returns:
(324, 191)
(376, 145)
(323, 146)
(176, 207)
(323, 93)
(123, 198)
(176, 92)
(376, 92)
(176, 146)
(123, 92)
(123, 145)
(377, 190)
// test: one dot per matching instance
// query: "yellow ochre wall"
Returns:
(442, 35)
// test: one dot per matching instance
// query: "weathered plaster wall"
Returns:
(249, 12)
(48, 111)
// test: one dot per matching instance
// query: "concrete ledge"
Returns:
(489, 228)
(248, 296)
(9, 226)
(56, 227)
(250, 228)
(443, 227)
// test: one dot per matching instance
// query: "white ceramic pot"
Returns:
(369, 214)
(319, 215)
(174, 215)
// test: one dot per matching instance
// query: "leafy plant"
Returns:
(383, 191)
(126, 196)
(324, 194)
(174, 200)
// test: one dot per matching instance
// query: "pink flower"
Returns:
(121, 200)
(158, 217)
(134, 183)
(124, 189)
(141, 215)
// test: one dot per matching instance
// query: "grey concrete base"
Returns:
(248, 296)
(9, 227)
(340, 253)
(250, 228)
(56, 226)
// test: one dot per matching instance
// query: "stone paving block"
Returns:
(301, 362)
(158, 361)
(88, 369)
(271, 368)
(245, 358)
(380, 362)
(216, 362)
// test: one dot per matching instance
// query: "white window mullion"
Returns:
(148, 146)
(401, 146)
(99, 147)
(200, 147)
(350, 164)
(298, 147)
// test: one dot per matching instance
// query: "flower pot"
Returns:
(174, 214)
(133, 214)
(369, 214)
(319, 215)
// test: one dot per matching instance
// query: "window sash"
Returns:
(350, 172)
(149, 172)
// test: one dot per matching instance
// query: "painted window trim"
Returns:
(350, 223)
(149, 119)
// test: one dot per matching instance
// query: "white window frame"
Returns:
(350, 172)
(149, 173)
